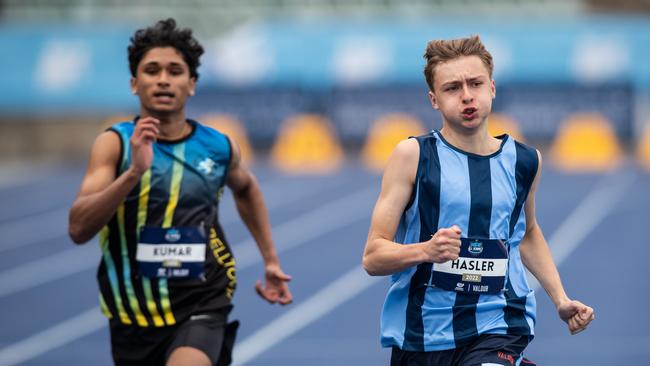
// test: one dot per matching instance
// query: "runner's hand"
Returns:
(142, 141)
(576, 314)
(276, 288)
(444, 245)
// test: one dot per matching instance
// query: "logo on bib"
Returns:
(460, 286)
(475, 247)
(172, 235)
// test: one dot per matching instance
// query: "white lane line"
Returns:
(299, 231)
(327, 218)
(34, 229)
(323, 219)
(323, 302)
(597, 204)
(53, 337)
(76, 260)
(52, 224)
(591, 211)
(281, 195)
(48, 269)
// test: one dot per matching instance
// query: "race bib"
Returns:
(177, 252)
(481, 268)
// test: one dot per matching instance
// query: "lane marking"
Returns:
(326, 218)
(591, 211)
(20, 233)
(289, 235)
(48, 269)
(280, 195)
(320, 304)
(53, 337)
(52, 225)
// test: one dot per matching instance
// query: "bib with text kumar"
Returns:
(177, 252)
(481, 268)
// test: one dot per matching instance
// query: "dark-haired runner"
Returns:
(151, 191)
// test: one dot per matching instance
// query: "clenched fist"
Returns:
(444, 245)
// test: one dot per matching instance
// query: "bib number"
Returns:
(177, 252)
(481, 268)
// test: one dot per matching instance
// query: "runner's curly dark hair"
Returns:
(165, 34)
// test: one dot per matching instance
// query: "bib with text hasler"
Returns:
(480, 268)
(177, 252)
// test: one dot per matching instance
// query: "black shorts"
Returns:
(209, 333)
(486, 349)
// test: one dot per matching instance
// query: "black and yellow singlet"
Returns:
(181, 189)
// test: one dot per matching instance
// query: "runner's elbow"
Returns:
(77, 234)
(369, 266)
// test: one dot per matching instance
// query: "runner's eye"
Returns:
(176, 71)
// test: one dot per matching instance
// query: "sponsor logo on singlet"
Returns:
(206, 166)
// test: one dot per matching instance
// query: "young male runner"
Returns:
(455, 225)
(151, 191)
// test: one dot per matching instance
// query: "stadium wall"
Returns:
(350, 71)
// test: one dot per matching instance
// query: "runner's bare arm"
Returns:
(252, 209)
(535, 252)
(537, 257)
(382, 256)
(101, 192)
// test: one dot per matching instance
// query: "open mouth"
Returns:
(469, 113)
(163, 96)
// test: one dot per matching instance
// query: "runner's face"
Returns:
(463, 92)
(163, 81)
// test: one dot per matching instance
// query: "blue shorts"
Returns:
(486, 349)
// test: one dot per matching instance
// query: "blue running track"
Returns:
(596, 225)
